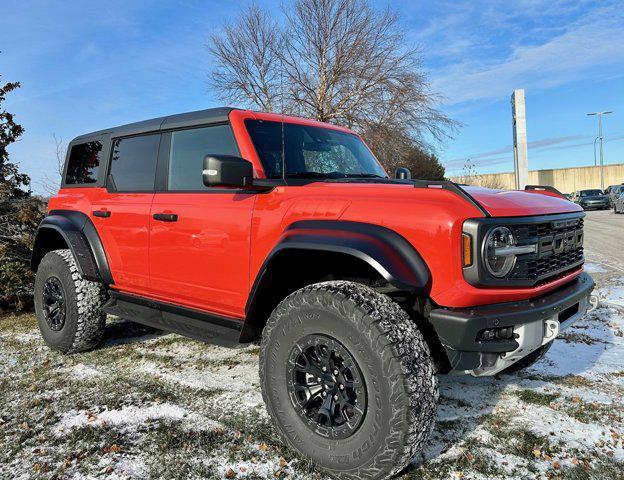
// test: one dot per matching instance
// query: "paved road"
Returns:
(604, 237)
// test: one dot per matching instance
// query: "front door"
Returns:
(199, 236)
(121, 213)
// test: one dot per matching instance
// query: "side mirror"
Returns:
(403, 173)
(227, 171)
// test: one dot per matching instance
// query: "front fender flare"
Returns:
(387, 252)
(391, 255)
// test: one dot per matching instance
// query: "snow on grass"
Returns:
(566, 407)
(240, 378)
(253, 468)
(594, 268)
(554, 423)
(130, 416)
(591, 347)
(613, 293)
(83, 372)
(154, 405)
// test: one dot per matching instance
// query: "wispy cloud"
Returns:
(596, 39)
(504, 154)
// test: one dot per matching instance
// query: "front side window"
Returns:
(311, 152)
(133, 163)
(84, 163)
(188, 149)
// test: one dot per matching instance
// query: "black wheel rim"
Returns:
(326, 386)
(54, 304)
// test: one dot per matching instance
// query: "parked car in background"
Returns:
(614, 192)
(618, 203)
(591, 199)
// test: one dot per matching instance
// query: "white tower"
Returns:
(521, 159)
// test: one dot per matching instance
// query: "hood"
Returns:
(519, 203)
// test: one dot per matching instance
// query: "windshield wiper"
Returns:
(331, 175)
(363, 175)
(309, 175)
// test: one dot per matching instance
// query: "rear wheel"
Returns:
(68, 307)
(348, 380)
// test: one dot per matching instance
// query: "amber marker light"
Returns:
(466, 249)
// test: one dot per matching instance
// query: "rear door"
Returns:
(122, 213)
(199, 236)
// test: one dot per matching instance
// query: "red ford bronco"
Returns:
(230, 226)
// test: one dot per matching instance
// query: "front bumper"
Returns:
(535, 322)
(590, 205)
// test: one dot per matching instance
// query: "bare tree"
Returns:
(247, 61)
(338, 61)
(52, 180)
(470, 176)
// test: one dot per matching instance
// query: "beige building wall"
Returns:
(566, 180)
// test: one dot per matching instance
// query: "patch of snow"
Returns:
(130, 416)
(238, 378)
(134, 468)
(594, 268)
(613, 293)
(190, 350)
(32, 336)
(262, 468)
(558, 426)
(83, 372)
(578, 358)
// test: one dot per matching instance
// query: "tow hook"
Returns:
(551, 330)
(593, 303)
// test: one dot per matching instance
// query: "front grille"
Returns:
(560, 249)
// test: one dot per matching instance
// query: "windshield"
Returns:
(590, 193)
(311, 152)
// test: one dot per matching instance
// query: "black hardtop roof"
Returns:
(180, 120)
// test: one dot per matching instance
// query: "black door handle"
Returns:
(166, 217)
(101, 213)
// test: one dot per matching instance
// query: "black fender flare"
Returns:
(383, 249)
(79, 233)
(387, 252)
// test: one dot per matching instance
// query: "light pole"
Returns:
(595, 162)
(600, 114)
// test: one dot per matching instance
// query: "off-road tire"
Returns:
(530, 359)
(401, 386)
(84, 324)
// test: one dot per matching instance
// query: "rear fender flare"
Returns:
(81, 237)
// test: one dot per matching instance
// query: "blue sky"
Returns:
(89, 65)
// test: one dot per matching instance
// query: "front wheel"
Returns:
(348, 380)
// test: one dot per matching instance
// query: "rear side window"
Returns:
(188, 149)
(84, 163)
(133, 163)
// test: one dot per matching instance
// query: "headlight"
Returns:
(499, 255)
